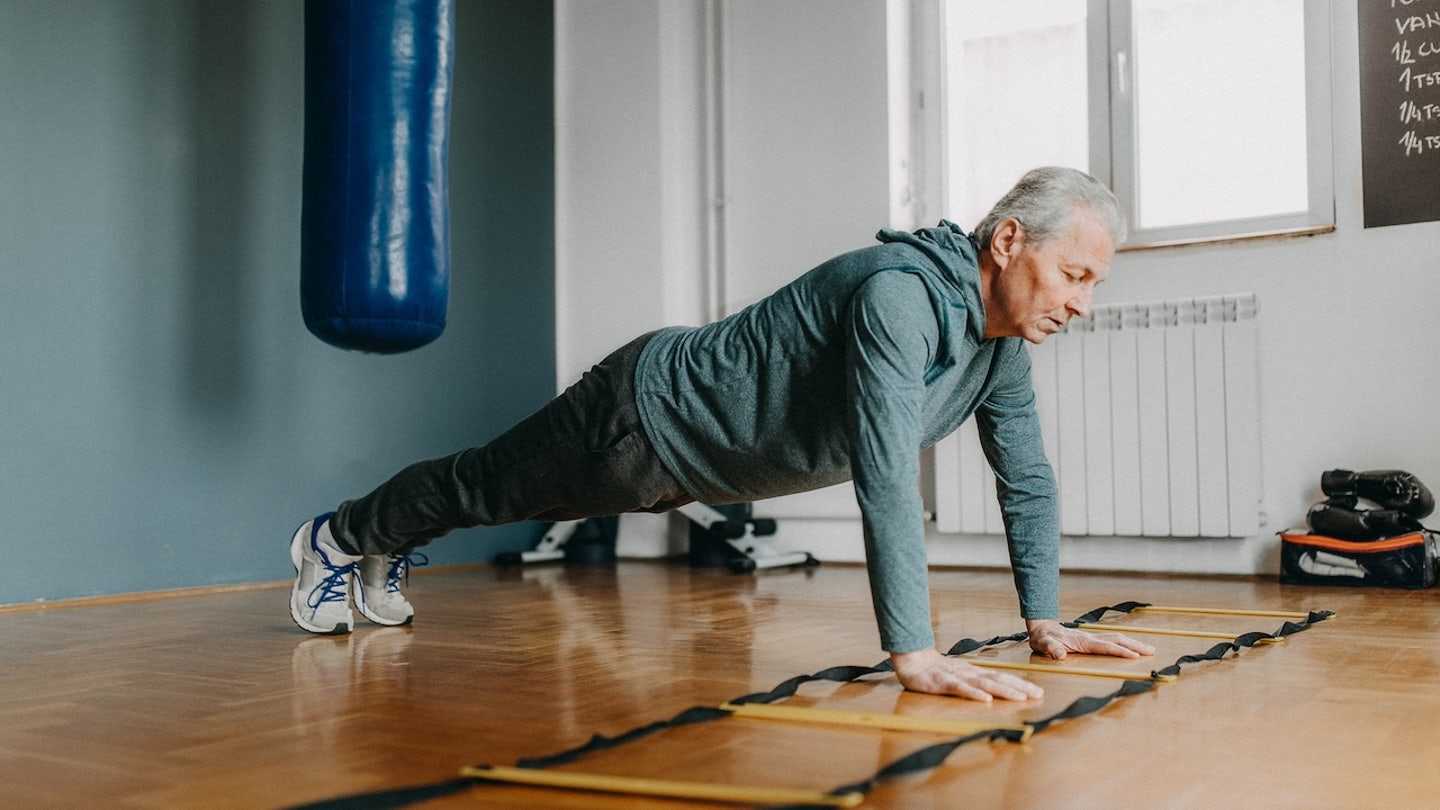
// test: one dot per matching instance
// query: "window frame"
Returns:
(1110, 76)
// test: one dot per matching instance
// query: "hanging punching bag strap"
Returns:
(375, 241)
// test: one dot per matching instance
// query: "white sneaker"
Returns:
(378, 596)
(320, 598)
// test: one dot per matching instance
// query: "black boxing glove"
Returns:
(1337, 518)
(1391, 489)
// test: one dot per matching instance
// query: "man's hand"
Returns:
(930, 672)
(1050, 637)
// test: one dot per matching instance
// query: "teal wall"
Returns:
(165, 419)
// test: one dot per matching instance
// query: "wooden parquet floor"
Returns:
(217, 700)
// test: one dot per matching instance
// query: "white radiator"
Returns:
(1151, 419)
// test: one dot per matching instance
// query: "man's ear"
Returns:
(1006, 241)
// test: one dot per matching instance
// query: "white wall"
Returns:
(631, 208)
(629, 205)
(1348, 343)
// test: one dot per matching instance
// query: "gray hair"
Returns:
(1043, 201)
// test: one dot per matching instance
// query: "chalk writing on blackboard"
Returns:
(1400, 110)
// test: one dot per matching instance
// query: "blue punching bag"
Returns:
(375, 230)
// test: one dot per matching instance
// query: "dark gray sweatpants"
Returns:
(583, 455)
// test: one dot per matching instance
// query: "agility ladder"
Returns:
(761, 705)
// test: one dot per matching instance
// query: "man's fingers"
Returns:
(1119, 646)
(1052, 647)
(1111, 647)
(1137, 646)
(1003, 685)
(970, 692)
(1013, 688)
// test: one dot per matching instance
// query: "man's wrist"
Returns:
(900, 660)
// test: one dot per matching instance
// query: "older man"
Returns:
(847, 373)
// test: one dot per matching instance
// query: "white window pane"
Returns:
(1219, 109)
(1017, 91)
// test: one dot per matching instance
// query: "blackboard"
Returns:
(1400, 110)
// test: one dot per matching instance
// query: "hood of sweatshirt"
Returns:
(957, 258)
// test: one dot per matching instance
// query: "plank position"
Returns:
(847, 373)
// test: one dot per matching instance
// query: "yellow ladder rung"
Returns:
(1055, 669)
(667, 788)
(1273, 614)
(1166, 631)
(889, 722)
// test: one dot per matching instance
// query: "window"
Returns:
(1208, 118)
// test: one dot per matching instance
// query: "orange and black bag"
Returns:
(1403, 561)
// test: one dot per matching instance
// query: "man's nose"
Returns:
(1080, 304)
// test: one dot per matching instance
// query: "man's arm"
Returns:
(1010, 434)
(893, 340)
(893, 337)
(1009, 431)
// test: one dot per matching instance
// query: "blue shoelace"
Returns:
(335, 587)
(400, 565)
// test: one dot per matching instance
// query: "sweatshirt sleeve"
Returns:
(1010, 435)
(893, 339)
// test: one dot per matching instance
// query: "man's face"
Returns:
(1041, 287)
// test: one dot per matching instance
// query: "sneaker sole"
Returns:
(296, 558)
(357, 592)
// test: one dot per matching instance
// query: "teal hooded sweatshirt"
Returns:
(848, 373)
